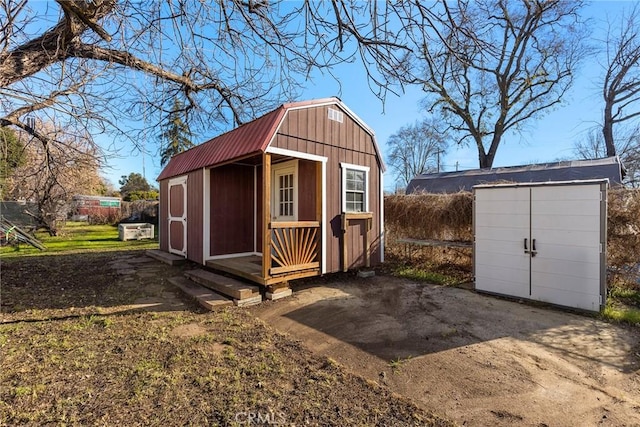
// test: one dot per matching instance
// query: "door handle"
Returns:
(526, 250)
(533, 248)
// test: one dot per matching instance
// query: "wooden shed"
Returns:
(295, 193)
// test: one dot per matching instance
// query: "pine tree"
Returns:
(176, 135)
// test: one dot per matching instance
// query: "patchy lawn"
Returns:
(78, 237)
(102, 338)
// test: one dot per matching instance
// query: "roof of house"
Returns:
(248, 139)
(452, 182)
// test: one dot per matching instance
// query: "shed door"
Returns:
(542, 242)
(501, 225)
(565, 223)
(177, 226)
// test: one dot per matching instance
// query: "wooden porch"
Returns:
(250, 268)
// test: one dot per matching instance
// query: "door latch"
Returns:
(533, 251)
(533, 248)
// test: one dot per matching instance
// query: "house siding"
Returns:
(309, 130)
(194, 215)
(232, 210)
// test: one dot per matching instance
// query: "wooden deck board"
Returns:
(250, 268)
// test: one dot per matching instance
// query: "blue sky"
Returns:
(547, 139)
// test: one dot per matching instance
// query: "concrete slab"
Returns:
(204, 296)
(477, 359)
(280, 293)
(165, 257)
(366, 273)
(246, 302)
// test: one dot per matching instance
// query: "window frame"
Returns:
(348, 166)
(284, 167)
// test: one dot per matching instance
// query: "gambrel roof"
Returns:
(249, 139)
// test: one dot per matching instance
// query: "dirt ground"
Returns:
(103, 339)
(477, 359)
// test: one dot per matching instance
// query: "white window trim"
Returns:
(293, 165)
(343, 189)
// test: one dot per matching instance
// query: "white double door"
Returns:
(541, 242)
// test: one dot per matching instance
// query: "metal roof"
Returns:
(451, 182)
(250, 138)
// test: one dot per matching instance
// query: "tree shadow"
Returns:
(392, 319)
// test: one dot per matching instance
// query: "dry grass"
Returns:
(450, 216)
(430, 216)
(75, 351)
(623, 237)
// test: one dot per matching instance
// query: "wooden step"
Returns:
(204, 296)
(165, 257)
(224, 285)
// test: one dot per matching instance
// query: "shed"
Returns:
(451, 182)
(295, 193)
(543, 241)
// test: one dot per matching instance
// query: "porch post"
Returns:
(319, 207)
(266, 214)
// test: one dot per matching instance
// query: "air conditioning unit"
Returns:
(135, 231)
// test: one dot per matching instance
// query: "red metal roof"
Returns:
(249, 138)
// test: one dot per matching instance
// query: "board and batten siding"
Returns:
(194, 215)
(232, 210)
(309, 130)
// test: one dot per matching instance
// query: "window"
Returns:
(355, 182)
(285, 188)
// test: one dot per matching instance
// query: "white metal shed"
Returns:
(542, 241)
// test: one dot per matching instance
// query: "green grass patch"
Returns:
(622, 314)
(629, 294)
(426, 276)
(78, 237)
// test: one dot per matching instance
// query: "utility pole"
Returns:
(438, 157)
(457, 162)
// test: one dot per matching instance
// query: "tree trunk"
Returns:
(607, 130)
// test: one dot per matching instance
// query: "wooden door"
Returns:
(177, 219)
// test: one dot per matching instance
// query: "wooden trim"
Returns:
(358, 215)
(296, 154)
(266, 215)
(287, 277)
(206, 214)
(309, 266)
(323, 221)
(381, 236)
(319, 208)
(294, 224)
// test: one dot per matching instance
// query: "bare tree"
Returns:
(90, 64)
(626, 146)
(490, 66)
(621, 88)
(51, 177)
(416, 149)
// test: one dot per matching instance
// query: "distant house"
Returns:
(294, 193)
(452, 182)
(82, 207)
